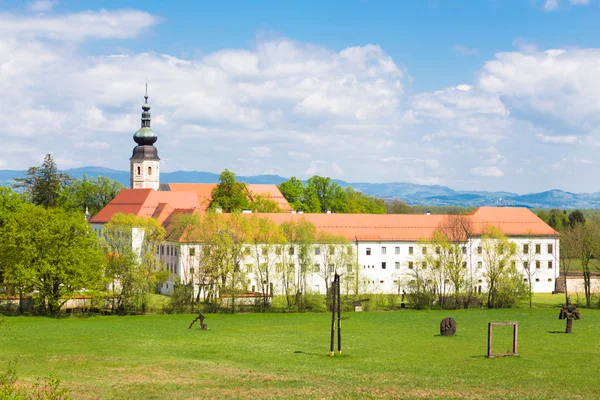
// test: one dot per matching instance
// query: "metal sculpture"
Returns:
(569, 312)
(448, 327)
(336, 307)
(200, 318)
(491, 326)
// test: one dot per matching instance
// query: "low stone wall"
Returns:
(575, 284)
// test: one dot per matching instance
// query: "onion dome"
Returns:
(145, 136)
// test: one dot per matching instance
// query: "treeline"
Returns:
(47, 248)
(579, 246)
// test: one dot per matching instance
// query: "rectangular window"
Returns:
(265, 251)
(247, 250)
(248, 268)
(410, 250)
(411, 265)
(383, 250)
(424, 265)
(349, 249)
(317, 268)
(397, 265)
(549, 264)
(331, 250)
(368, 251)
(464, 249)
(397, 250)
(291, 251)
(464, 264)
(317, 251)
(513, 264)
(424, 250)
(550, 249)
(525, 264)
(479, 264)
(192, 251)
(538, 264)
(438, 250)
(525, 249)
(191, 271)
(479, 250)
(383, 265)
(278, 250)
(279, 268)
(538, 248)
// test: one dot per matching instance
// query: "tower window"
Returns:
(139, 170)
(149, 170)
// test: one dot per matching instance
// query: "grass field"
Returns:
(386, 355)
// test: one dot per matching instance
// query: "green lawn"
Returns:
(386, 355)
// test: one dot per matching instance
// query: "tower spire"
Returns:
(144, 162)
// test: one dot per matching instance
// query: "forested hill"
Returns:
(433, 195)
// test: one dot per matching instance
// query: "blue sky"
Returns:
(479, 95)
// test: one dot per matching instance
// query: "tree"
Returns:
(53, 253)
(263, 204)
(229, 194)
(359, 203)
(586, 244)
(264, 237)
(90, 194)
(334, 255)
(568, 253)
(398, 207)
(330, 194)
(300, 236)
(294, 192)
(131, 247)
(504, 282)
(43, 185)
(576, 218)
(526, 257)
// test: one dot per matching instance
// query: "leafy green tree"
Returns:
(300, 236)
(229, 194)
(89, 193)
(576, 218)
(586, 244)
(43, 185)
(359, 203)
(294, 192)
(10, 202)
(131, 245)
(330, 194)
(51, 252)
(263, 204)
(504, 282)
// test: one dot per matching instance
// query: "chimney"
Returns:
(246, 211)
(427, 213)
(300, 212)
(328, 211)
(219, 210)
(293, 212)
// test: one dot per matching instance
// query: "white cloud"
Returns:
(551, 5)
(261, 151)
(566, 139)
(488, 171)
(104, 24)
(41, 6)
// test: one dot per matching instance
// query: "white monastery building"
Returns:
(385, 249)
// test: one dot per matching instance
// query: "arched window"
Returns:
(149, 170)
(139, 170)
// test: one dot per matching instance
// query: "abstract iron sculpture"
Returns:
(336, 307)
(569, 312)
(448, 327)
(200, 318)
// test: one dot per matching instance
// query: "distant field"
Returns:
(575, 265)
(386, 354)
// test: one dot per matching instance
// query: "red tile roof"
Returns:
(204, 192)
(189, 198)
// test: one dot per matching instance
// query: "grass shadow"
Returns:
(556, 332)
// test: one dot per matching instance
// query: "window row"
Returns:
(411, 250)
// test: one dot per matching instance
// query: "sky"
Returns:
(499, 95)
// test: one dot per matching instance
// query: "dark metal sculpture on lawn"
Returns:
(569, 312)
(200, 318)
(448, 327)
(336, 307)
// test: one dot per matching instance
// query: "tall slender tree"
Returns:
(43, 185)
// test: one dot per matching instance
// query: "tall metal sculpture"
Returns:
(336, 308)
(569, 312)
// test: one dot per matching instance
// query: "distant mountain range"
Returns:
(433, 195)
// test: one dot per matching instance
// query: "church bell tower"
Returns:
(144, 170)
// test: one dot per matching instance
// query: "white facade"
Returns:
(383, 266)
(144, 174)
